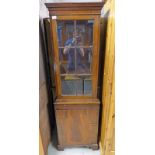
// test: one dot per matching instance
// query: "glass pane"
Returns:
(72, 85)
(84, 30)
(76, 85)
(87, 87)
(83, 62)
(68, 87)
(65, 31)
(67, 61)
(75, 44)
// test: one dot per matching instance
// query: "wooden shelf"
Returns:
(61, 47)
(77, 74)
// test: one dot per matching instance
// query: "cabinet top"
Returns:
(85, 8)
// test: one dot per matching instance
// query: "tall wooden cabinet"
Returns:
(75, 31)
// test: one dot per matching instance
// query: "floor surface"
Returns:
(71, 151)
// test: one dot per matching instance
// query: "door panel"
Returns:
(76, 50)
(77, 126)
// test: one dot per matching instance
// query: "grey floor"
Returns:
(71, 151)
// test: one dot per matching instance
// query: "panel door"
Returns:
(77, 127)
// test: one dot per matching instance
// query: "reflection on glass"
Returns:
(83, 64)
(87, 87)
(76, 85)
(85, 29)
(75, 40)
(68, 87)
(65, 31)
(67, 61)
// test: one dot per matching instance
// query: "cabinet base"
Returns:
(77, 123)
(92, 146)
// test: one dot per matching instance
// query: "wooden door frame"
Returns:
(41, 149)
(108, 94)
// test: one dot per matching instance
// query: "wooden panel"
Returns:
(70, 13)
(85, 5)
(75, 8)
(77, 125)
(41, 150)
(50, 49)
(77, 101)
(43, 101)
(103, 29)
(43, 98)
(108, 96)
(113, 136)
(44, 127)
(110, 133)
(79, 106)
(76, 17)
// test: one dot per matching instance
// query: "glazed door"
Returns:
(76, 55)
